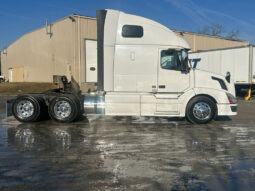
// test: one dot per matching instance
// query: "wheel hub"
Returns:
(62, 109)
(201, 111)
(25, 109)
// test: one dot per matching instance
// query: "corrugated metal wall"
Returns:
(206, 42)
(41, 56)
(0, 63)
(253, 65)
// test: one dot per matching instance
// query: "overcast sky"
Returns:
(20, 16)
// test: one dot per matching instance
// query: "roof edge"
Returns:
(54, 22)
(212, 36)
(218, 49)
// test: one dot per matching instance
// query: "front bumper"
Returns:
(227, 109)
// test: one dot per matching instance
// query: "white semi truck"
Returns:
(143, 70)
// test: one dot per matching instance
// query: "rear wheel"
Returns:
(64, 109)
(201, 110)
(28, 108)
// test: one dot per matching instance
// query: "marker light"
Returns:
(232, 99)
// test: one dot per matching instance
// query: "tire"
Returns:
(27, 108)
(44, 115)
(64, 109)
(79, 106)
(201, 110)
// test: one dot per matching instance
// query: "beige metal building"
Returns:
(200, 42)
(63, 48)
(58, 49)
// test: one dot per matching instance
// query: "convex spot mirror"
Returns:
(185, 61)
(228, 76)
(184, 54)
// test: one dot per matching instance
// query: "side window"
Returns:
(132, 31)
(170, 60)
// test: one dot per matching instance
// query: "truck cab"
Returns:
(143, 70)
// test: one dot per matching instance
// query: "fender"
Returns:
(184, 100)
(219, 96)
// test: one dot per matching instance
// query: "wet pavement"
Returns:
(118, 153)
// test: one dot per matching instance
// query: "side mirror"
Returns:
(185, 66)
(185, 69)
(228, 76)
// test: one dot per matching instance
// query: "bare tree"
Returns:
(218, 30)
(204, 30)
(233, 34)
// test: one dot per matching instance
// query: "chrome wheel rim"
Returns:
(25, 109)
(62, 109)
(202, 111)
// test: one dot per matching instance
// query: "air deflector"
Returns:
(101, 15)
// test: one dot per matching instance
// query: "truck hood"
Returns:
(205, 79)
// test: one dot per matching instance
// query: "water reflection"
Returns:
(63, 138)
(110, 153)
(25, 137)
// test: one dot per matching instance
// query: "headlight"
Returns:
(232, 99)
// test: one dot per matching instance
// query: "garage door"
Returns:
(91, 60)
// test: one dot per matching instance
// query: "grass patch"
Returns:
(16, 88)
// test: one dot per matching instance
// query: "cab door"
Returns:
(170, 77)
(172, 82)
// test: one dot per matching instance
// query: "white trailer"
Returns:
(239, 61)
(142, 70)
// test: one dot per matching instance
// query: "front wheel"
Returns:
(201, 110)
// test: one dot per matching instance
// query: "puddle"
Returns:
(107, 153)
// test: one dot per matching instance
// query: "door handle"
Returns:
(92, 68)
(154, 89)
(162, 86)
